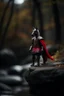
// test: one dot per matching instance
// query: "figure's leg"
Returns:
(33, 59)
(44, 57)
(38, 59)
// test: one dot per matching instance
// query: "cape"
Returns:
(45, 49)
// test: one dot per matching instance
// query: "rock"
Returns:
(4, 87)
(52, 49)
(47, 81)
(11, 80)
(7, 58)
(3, 73)
(15, 70)
(18, 70)
(5, 90)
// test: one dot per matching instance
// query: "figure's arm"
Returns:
(31, 46)
(44, 46)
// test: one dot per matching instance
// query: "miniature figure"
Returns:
(38, 48)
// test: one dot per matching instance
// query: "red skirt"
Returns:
(36, 50)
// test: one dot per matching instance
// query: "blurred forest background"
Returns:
(18, 20)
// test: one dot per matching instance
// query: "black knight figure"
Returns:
(38, 47)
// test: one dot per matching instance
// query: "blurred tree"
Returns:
(3, 16)
(37, 8)
(57, 21)
(20, 26)
(8, 23)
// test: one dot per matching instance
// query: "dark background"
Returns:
(16, 24)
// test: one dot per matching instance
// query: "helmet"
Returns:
(35, 32)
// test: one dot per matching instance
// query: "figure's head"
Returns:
(35, 32)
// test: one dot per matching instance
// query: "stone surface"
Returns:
(46, 81)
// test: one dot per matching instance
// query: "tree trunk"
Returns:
(37, 7)
(57, 21)
(7, 26)
(3, 17)
(33, 15)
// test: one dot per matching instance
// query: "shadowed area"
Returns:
(47, 81)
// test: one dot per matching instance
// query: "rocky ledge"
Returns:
(46, 80)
